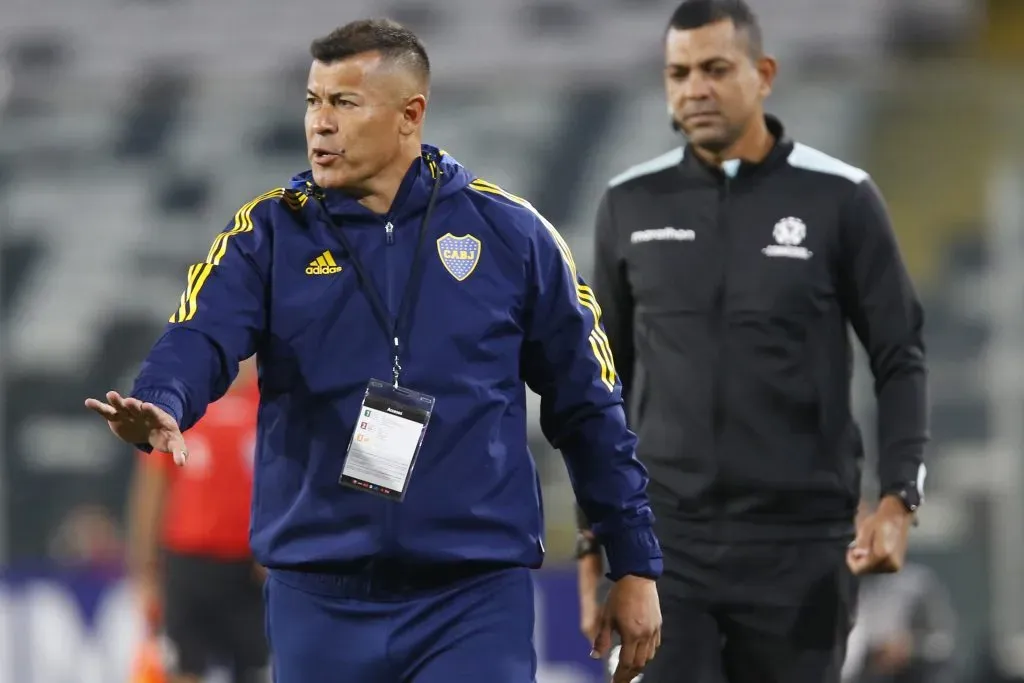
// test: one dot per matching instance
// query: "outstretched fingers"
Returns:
(157, 416)
(132, 406)
(159, 419)
(107, 412)
(177, 447)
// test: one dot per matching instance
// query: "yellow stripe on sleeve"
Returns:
(200, 279)
(200, 272)
(599, 343)
(183, 305)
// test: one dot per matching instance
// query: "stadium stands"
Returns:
(468, 39)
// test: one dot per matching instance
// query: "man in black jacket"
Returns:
(729, 271)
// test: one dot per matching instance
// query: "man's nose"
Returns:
(696, 87)
(323, 124)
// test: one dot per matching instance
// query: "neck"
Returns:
(753, 146)
(383, 188)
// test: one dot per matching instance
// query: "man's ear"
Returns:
(413, 114)
(767, 69)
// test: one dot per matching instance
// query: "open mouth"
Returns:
(323, 156)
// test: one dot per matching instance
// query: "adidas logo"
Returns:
(323, 265)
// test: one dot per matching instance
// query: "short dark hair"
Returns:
(392, 40)
(691, 14)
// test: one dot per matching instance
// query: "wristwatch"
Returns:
(909, 495)
(586, 544)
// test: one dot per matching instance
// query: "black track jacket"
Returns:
(728, 295)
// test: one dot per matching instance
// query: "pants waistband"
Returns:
(382, 581)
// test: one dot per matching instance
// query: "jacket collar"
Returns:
(738, 168)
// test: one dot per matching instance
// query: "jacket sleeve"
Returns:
(216, 323)
(566, 359)
(885, 312)
(611, 285)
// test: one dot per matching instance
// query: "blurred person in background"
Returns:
(389, 259)
(189, 555)
(904, 632)
(89, 538)
(729, 271)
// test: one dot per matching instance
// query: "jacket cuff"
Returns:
(896, 475)
(168, 401)
(634, 551)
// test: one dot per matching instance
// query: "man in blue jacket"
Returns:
(398, 308)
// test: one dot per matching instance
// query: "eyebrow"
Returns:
(702, 63)
(340, 93)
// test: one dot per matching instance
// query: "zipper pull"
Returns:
(389, 229)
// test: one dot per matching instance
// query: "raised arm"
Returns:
(215, 325)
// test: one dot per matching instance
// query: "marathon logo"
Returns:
(662, 234)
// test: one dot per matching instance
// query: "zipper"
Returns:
(388, 523)
(718, 400)
(389, 280)
(388, 527)
(387, 530)
(722, 228)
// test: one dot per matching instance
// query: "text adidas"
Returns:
(322, 270)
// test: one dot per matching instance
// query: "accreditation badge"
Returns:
(386, 440)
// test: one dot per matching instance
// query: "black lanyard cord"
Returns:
(392, 327)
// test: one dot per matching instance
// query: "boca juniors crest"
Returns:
(459, 255)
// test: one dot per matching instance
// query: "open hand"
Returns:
(136, 422)
(634, 611)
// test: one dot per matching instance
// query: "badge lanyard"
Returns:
(392, 326)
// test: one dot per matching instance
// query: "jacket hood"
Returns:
(433, 166)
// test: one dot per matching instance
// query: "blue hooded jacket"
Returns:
(499, 303)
